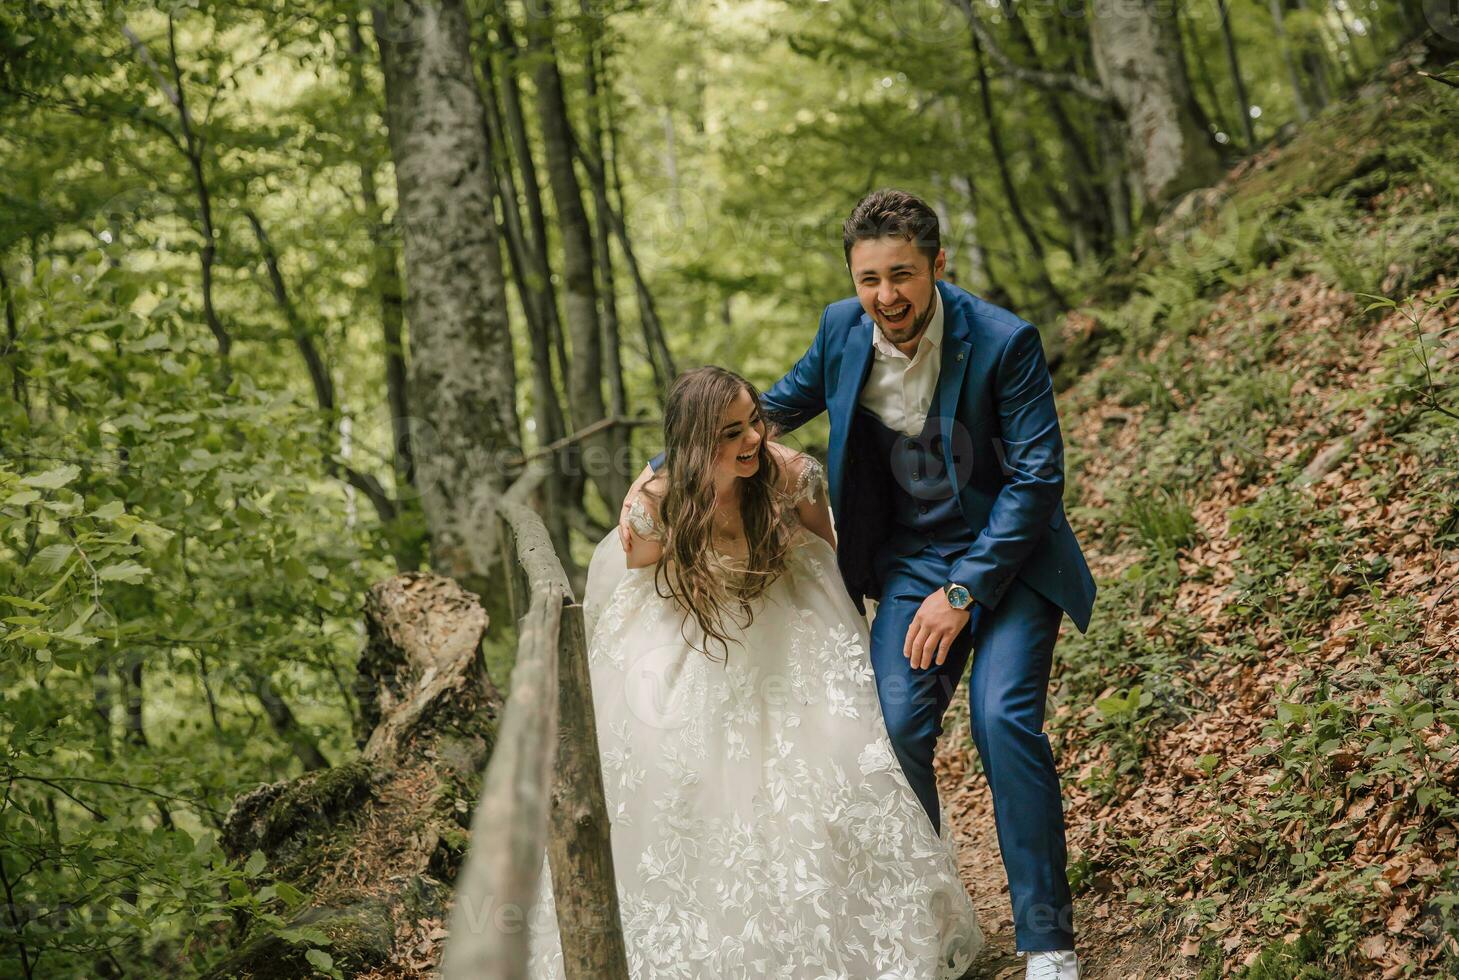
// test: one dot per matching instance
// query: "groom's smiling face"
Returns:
(895, 281)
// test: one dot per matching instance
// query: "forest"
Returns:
(295, 292)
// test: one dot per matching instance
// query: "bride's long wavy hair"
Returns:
(686, 570)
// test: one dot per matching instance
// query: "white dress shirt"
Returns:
(899, 389)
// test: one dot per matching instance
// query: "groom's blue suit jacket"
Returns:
(1005, 457)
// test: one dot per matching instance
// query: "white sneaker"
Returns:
(1058, 964)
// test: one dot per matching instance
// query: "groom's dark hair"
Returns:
(890, 213)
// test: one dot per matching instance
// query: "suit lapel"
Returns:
(855, 361)
(956, 352)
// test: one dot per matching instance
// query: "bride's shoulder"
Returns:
(801, 474)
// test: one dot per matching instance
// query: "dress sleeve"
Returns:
(642, 522)
(809, 482)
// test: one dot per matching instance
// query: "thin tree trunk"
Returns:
(101, 706)
(976, 272)
(385, 280)
(516, 127)
(462, 376)
(653, 330)
(1279, 26)
(595, 76)
(1005, 176)
(560, 491)
(1090, 213)
(533, 289)
(1113, 171)
(1347, 31)
(1314, 65)
(580, 294)
(1138, 58)
(1204, 77)
(12, 345)
(1228, 40)
(287, 726)
(192, 148)
(132, 729)
(323, 390)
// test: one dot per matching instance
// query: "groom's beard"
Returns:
(911, 333)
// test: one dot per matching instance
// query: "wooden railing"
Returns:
(545, 764)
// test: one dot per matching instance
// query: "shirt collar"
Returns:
(932, 335)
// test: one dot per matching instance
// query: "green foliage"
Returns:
(168, 541)
(1162, 521)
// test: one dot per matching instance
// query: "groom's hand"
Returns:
(644, 477)
(932, 631)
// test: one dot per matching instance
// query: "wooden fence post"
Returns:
(579, 848)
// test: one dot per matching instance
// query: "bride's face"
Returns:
(741, 437)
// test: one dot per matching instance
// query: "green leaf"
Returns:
(256, 862)
(52, 557)
(22, 497)
(320, 960)
(110, 511)
(305, 934)
(53, 479)
(126, 571)
(292, 897)
(16, 600)
(1290, 711)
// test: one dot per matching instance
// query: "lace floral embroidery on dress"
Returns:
(642, 522)
(810, 480)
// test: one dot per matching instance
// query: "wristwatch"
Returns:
(957, 596)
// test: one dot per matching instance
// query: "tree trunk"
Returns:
(516, 127)
(1000, 157)
(1091, 220)
(1233, 63)
(560, 491)
(12, 345)
(654, 340)
(286, 724)
(1314, 64)
(385, 282)
(580, 294)
(1191, 38)
(462, 377)
(1138, 58)
(1294, 78)
(595, 74)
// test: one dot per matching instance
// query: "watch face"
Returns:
(958, 597)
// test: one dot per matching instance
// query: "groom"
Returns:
(946, 476)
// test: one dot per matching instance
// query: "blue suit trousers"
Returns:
(1011, 649)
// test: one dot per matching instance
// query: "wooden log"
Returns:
(376, 842)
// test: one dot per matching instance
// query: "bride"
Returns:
(761, 825)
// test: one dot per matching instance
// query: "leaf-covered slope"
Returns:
(1259, 731)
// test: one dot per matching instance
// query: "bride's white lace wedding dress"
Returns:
(761, 825)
